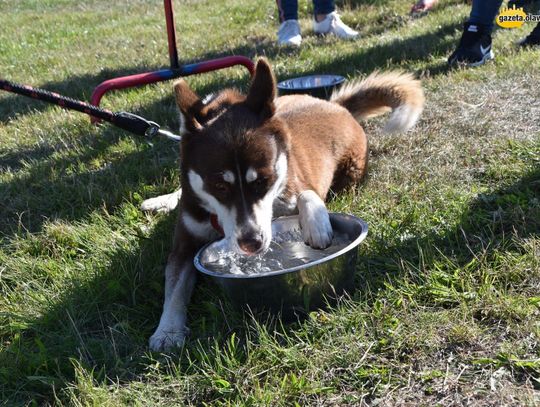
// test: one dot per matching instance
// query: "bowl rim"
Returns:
(340, 78)
(356, 242)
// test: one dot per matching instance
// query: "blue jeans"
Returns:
(484, 12)
(288, 9)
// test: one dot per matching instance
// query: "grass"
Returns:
(447, 305)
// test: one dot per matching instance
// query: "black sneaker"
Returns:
(533, 39)
(474, 48)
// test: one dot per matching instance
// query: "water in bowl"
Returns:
(286, 250)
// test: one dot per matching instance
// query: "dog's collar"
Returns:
(215, 224)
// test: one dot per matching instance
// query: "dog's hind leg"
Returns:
(351, 170)
(162, 203)
(314, 220)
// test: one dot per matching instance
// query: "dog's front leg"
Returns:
(179, 281)
(314, 220)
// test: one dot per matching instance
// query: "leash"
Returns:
(127, 121)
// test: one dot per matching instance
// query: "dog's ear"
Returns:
(190, 105)
(262, 92)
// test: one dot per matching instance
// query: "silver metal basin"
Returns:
(294, 290)
(320, 86)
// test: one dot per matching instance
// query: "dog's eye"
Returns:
(259, 185)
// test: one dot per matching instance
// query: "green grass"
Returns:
(447, 306)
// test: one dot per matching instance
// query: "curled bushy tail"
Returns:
(381, 92)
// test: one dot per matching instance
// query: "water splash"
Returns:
(286, 250)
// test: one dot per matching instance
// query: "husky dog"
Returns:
(246, 159)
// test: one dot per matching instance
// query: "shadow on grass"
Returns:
(98, 323)
(104, 323)
(364, 61)
(396, 52)
(71, 184)
(41, 192)
(491, 223)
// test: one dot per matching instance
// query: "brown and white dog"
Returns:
(248, 159)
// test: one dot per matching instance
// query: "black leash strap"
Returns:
(62, 101)
(127, 121)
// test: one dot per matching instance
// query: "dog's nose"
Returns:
(250, 244)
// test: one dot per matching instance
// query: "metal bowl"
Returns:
(295, 290)
(320, 86)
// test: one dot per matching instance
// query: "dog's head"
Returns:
(234, 158)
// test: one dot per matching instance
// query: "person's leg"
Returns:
(327, 21)
(321, 8)
(533, 39)
(474, 47)
(289, 30)
(287, 9)
(483, 12)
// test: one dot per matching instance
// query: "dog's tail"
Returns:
(381, 92)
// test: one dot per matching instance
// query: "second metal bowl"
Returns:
(320, 86)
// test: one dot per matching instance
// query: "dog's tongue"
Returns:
(216, 225)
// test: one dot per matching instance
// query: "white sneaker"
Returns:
(332, 24)
(289, 33)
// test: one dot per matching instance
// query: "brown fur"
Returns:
(379, 93)
(317, 149)
(329, 148)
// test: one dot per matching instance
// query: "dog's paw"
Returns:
(162, 341)
(318, 233)
(162, 203)
(314, 221)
